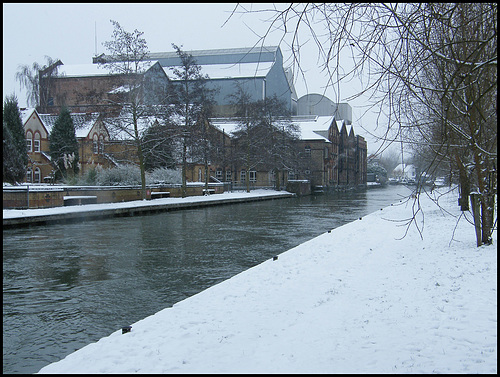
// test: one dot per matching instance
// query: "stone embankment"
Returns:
(16, 218)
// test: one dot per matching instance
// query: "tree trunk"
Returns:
(184, 151)
(475, 202)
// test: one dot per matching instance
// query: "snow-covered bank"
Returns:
(357, 300)
(138, 205)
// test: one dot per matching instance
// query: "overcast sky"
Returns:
(68, 32)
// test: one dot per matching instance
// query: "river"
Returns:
(68, 285)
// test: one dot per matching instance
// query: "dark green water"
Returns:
(68, 285)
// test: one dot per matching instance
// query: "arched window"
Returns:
(101, 144)
(307, 151)
(36, 144)
(37, 178)
(29, 177)
(96, 144)
(200, 177)
(29, 141)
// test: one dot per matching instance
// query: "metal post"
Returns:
(28, 195)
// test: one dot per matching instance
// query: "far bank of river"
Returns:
(67, 285)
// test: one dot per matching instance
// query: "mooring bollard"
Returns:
(126, 329)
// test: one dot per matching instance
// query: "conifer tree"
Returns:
(15, 158)
(63, 145)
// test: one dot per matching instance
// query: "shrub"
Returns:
(125, 175)
(163, 176)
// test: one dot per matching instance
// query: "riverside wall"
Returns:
(98, 211)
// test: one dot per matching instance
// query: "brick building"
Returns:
(91, 135)
(332, 155)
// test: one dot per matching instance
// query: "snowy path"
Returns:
(356, 300)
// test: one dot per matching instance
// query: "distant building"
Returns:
(332, 154)
(259, 70)
(405, 171)
(317, 104)
(87, 88)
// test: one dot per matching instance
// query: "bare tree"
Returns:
(189, 99)
(432, 68)
(128, 60)
(31, 79)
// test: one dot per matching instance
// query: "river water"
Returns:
(68, 285)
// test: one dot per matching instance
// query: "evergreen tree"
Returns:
(63, 145)
(13, 168)
(158, 147)
(15, 158)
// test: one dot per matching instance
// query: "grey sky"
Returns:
(68, 32)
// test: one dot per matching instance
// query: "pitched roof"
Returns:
(313, 127)
(26, 114)
(254, 54)
(310, 127)
(77, 70)
(231, 70)
(83, 122)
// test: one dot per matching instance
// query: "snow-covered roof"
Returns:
(228, 125)
(258, 51)
(26, 114)
(220, 71)
(313, 127)
(121, 128)
(77, 70)
(83, 122)
(310, 127)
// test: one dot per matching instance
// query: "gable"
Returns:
(33, 123)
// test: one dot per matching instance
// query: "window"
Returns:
(272, 176)
(218, 174)
(29, 141)
(101, 144)
(37, 175)
(200, 176)
(307, 151)
(253, 176)
(28, 176)
(96, 144)
(37, 143)
(243, 176)
(228, 175)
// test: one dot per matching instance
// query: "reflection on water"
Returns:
(66, 286)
